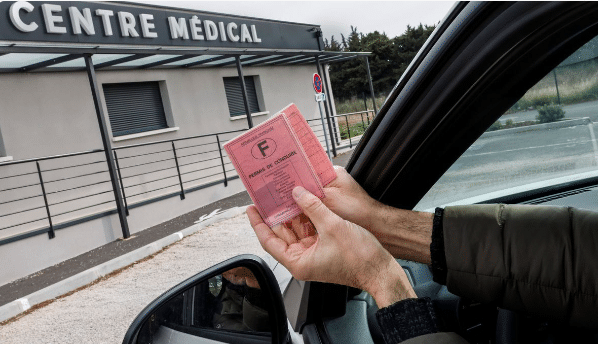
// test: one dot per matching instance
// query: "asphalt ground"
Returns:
(39, 280)
(499, 162)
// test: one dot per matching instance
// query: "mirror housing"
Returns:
(263, 275)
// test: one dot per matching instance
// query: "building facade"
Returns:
(77, 172)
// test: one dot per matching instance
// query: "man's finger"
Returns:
(284, 233)
(302, 226)
(269, 241)
(254, 216)
(313, 207)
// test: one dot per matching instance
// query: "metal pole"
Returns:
(319, 68)
(178, 170)
(367, 66)
(348, 131)
(51, 232)
(329, 103)
(122, 185)
(222, 161)
(244, 91)
(362, 122)
(324, 129)
(365, 103)
(95, 93)
(558, 95)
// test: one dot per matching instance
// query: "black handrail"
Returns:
(16, 162)
(180, 139)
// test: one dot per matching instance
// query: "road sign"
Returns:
(320, 98)
(317, 83)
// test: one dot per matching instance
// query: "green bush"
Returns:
(509, 123)
(544, 100)
(550, 113)
(356, 130)
(495, 126)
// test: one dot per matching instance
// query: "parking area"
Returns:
(102, 312)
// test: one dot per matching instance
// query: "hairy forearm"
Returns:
(392, 286)
(405, 234)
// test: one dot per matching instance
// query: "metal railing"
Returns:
(345, 126)
(43, 195)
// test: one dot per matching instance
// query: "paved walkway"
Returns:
(102, 312)
(71, 267)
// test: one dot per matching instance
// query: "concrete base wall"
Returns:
(25, 257)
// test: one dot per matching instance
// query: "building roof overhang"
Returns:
(54, 36)
(43, 57)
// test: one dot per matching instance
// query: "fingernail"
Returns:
(298, 191)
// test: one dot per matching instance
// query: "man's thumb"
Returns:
(313, 207)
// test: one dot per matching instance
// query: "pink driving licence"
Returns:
(271, 162)
(310, 143)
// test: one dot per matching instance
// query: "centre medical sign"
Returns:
(107, 23)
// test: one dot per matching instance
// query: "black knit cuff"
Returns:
(437, 248)
(407, 319)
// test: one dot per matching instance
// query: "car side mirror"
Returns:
(236, 301)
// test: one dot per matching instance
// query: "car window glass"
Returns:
(547, 138)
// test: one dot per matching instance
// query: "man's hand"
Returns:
(405, 234)
(241, 276)
(339, 252)
(349, 200)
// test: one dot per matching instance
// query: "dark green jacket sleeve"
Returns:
(540, 260)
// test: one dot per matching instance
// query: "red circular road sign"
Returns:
(317, 83)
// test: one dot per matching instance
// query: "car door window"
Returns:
(547, 138)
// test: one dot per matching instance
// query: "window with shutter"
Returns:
(234, 96)
(134, 107)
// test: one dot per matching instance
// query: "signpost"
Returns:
(320, 97)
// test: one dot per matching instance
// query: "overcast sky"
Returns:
(335, 17)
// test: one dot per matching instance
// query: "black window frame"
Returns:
(129, 115)
(234, 95)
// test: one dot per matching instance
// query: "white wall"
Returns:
(52, 113)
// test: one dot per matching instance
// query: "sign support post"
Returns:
(319, 68)
(95, 93)
(328, 107)
(323, 97)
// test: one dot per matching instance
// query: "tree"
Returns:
(389, 59)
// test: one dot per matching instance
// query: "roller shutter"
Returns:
(234, 96)
(134, 107)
